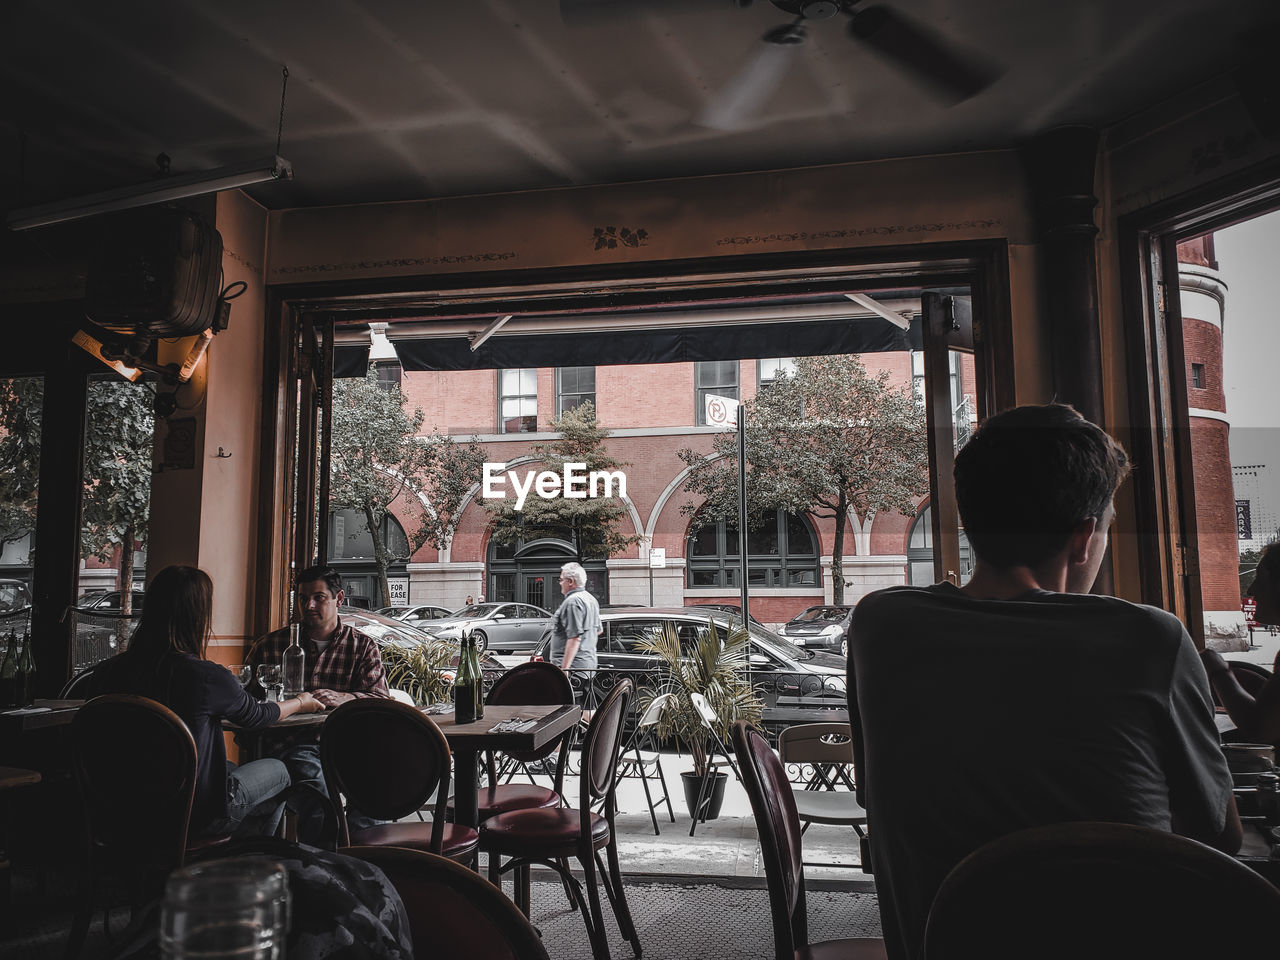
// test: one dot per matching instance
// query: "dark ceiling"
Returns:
(427, 98)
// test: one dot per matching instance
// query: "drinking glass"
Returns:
(224, 909)
(269, 680)
(243, 672)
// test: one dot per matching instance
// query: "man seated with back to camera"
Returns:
(1020, 700)
(342, 664)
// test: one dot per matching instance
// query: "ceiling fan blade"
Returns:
(751, 87)
(946, 70)
(594, 11)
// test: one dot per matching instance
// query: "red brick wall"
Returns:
(1202, 343)
(1215, 515)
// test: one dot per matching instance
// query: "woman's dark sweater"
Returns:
(203, 694)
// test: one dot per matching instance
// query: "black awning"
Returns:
(794, 338)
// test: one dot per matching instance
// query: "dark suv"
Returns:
(786, 677)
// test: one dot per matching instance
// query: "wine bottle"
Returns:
(9, 673)
(464, 684)
(479, 677)
(293, 663)
(26, 680)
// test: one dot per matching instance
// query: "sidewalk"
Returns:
(726, 847)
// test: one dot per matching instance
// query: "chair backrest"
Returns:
(653, 713)
(778, 824)
(453, 911)
(533, 683)
(79, 686)
(816, 743)
(135, 761)
(704, 709)
(600, 747)
(1253, 677)
(386, 758)
(403, 696)
(1100, 890)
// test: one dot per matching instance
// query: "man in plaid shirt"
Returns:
(342, 664)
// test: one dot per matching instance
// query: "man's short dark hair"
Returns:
(1029, 476)
(324, 572)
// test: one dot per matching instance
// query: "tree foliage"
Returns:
(830, 440)
(377, 457)
(590, 523)
(116, 503)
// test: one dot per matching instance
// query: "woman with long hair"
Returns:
(166, 662)
(1257, 718)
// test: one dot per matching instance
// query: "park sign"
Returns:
(720, 411)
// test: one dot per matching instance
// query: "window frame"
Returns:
(700, 390)
(504, 397)
(777, 568)
(582, 395)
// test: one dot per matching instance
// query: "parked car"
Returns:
(15, 596)
(100, 628)
(825, 626)
(426, 613)
(505, 627)
(785, 676)
(733, 608)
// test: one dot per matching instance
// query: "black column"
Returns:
(1060, 169)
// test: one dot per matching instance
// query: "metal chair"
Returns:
(454, 912)
(135, 763)
(773, 804)
(644, 753)
(388, 759)
(1100, 890)
(717, 748)
(549, 836)
(827, 749)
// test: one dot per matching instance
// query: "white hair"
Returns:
(574, 572)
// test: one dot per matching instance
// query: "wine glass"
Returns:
(243, 672)
(269, 680)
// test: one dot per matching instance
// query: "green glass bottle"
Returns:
(26, 673)
(479, 677)
(465, 683)
(9, 673)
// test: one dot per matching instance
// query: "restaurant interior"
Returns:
(516, 183)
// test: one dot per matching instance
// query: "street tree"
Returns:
(377, 458)
(829, 440)
(115, 507)
(591, 523)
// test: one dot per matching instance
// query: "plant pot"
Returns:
(716, 789)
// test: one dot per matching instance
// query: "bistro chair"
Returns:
(716, 748)
(387, 759)
(135, 763)
(548, 836)
(774, 807)
(642, 755)
(826, 749)
(454, 912)
(1100, 890)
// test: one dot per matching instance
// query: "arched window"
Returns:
(782, 551)
(351, 554)
(920, 552)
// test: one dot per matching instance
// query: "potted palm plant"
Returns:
(424, 671)
(716, 670)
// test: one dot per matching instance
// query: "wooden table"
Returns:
(468, 740)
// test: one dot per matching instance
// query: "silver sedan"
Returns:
(498, 626)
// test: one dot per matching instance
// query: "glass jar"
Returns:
(222, 909)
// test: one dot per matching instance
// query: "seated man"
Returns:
(342, 664)
(1018, 699)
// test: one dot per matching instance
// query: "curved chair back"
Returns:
(705, 710)
(453, 911)
(774, 808)
(653, 713)
(387, 758)
(816, 743)
(79, 686)
(600, 749)
(534, 683)
(1100, 890)
(135, 761)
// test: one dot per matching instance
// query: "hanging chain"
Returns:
(284, 85)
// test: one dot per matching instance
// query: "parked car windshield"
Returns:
(477, 611)
(822, 615)
(13, 596)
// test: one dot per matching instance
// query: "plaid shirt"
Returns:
(349, 664)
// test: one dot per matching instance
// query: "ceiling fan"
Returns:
(947, 71)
